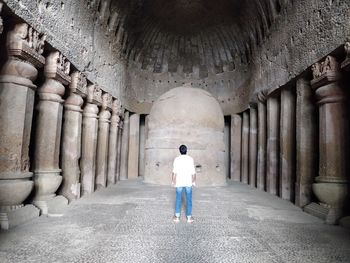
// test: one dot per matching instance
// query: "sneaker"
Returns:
(190, 219)
(176, 219)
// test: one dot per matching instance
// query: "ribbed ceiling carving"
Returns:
(167, 35)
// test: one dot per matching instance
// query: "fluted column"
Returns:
(113, 144)
(332, 185)
(134, 146)
(47, 173)
(125, 148)
(245, 148)
(261, 162)
(103, 141)
(273, 131)
(305, 143)
(71, 138)
(287, 144)
(236, 142)
(89, 139)
(253, 145)
(119, 149)
(16, 107)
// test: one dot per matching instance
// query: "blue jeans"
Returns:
(188, 201)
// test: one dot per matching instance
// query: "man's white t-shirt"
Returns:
(184, 169)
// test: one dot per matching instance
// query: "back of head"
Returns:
(183, 149)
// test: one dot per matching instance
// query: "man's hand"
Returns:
(193, 183)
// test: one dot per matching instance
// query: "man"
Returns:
(183, 177)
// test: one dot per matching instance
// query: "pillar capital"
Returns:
(115, 112)
(57, 67)
(78, 84)
(261, 96)
(24, 47)
(27, 44)
(106, 107)
(94, 94)
(346, 63)
(325, 72)
(77, 90)
(326, 75)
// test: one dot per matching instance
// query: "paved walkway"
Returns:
(132, 222)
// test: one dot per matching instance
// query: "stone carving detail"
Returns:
(347, 48)
(107, 101)
(346, 63)
(26, 44)
(94, 94)
(58, 68)
(330, 64)
(78, 83)
(262, 96)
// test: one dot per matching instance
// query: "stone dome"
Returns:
(187, 116)
(185, 106)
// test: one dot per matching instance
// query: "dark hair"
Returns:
(183, 149)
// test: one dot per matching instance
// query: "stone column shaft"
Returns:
(16, 107)
(287, 145)
(103, 141)
(89, 140)
(261, 165)
(273, 123)
(236, 142)
(120, 133)
(332, 184)
(253, 146)
(71, 138)
(113, 144)
(47, 173)
(125, 149)
(245, 148)
(305, 143)
(134, 142)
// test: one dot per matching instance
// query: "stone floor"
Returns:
(132, 222)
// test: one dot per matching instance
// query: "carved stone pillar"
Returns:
(236, 142)
(89, 139)
(47, 174)
(273, 131)
(120, 134)
(253, 145)
(71, 138)
(103, 141)
(305, 143)
(332, 184)
(261, 166)
(134, 146)
(16, 107)
(245, 148)
(113, 143)
(287, 145)
(125, 148)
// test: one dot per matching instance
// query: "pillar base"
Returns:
(334, 195)
(52, 207)
(18, 216)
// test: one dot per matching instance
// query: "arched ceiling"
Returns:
(165, 35)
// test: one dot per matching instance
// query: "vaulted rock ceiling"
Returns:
(161, 35)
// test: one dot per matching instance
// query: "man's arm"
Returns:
(193, 179)
(173, 178)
